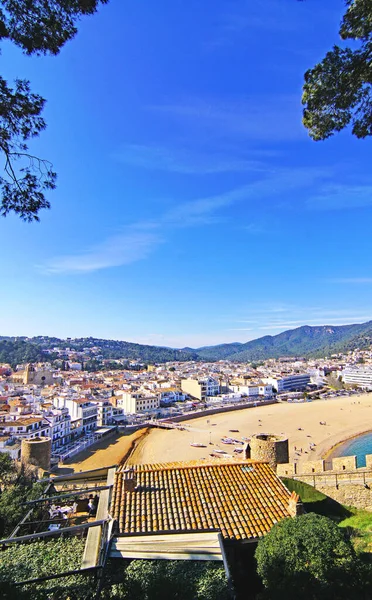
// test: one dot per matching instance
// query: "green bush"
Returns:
(309, 557)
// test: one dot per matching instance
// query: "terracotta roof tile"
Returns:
(242, 499)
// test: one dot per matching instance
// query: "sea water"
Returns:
(359, 446)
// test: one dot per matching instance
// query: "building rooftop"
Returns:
(242, 500)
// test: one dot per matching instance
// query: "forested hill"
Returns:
(303, 341)
(34, 350)
(19, 351)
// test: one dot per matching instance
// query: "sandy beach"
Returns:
(345, 417)
(110, 451)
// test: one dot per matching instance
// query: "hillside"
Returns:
(302, 341)
(220, 352)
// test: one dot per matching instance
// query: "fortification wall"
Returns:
(342, 464)
(349, 494)
(343, 482)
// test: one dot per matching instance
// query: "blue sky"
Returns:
(192, 208)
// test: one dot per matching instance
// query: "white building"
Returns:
(360, 376)
(252, 390)
(83, 413)
(75, 366)
(137, 403)
(170, 395)
(10, 445)
(287, 383)
(25, 427)
(60, 426)
(104, 412)
(201, 388)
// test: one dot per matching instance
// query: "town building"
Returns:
(59, 421)
(82, 411)
(360, 376)
(104, 412)
(25, 427)
(134, 403)
(201, 388)
(286, 383)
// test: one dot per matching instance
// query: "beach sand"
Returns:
(110, 451)
(345, 417)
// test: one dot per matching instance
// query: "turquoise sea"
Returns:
(360, 446)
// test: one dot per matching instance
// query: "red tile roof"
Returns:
(243, 499)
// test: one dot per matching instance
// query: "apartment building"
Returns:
(134, 403)
(25, 427)
(104, 412)
(253, 389)
(60, 426)
(82, 411)
(287, 383)
(169, 395)
(201, 388)
(360, 376)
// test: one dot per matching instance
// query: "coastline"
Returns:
(328, 454)
(345, 417)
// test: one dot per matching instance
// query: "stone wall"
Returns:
(343, 482)
(343, 464)
(349, 494)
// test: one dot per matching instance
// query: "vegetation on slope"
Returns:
(303, 341)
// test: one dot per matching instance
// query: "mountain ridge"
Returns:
(307, 341)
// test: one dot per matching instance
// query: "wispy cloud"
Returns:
(266, 118)
(117, 250)
(141, 238)
(277, 318)
(340, 197)
(160, 158)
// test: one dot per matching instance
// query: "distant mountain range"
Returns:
(302, 341)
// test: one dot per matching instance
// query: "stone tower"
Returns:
(37, 452)
(270, 448)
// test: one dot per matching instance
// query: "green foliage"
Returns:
(359, 526)
(338, 90)
(38, 27)
(306, 492)
(178, 580)
(21, 562)
(303, 341)
(309, 557)
(18, 352)
(8, 470)
(140, 580)
(18, 486)
(33, 350)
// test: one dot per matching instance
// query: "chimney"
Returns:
(129, 484)
(295, 506)
(129, 481)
